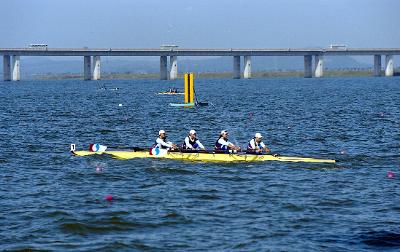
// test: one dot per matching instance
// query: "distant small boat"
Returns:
(105, 88)
(169, 93)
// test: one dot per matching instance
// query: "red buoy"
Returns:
(391, 174)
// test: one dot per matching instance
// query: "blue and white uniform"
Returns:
(222, 144)
(253, 145)
(189, 144)
(160, 143)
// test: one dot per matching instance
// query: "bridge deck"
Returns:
(194, 52)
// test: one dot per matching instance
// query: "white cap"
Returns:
(161, 132)
(257, 135)
(224, 131)
(192, 132)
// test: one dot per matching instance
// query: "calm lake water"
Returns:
(50, 200)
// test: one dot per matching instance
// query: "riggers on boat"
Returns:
(201, 156)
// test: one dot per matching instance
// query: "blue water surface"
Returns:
(50, 200)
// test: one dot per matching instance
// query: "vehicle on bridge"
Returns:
(338, 46)
(168, 46)
(38, 46)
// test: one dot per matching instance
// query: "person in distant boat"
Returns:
(256, 145)
(223, 144)
(162, 143)
(191, 142)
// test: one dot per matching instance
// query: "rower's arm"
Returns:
(200, 145)
(163, 143)
(229, 144)
(232, 146)
(266, 149)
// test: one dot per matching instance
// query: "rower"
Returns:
(161, 142)
(256, 145)
(191, 142)
(223, 144)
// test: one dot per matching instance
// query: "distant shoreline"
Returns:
(261, 74)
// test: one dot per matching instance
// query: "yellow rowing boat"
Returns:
(199, 156)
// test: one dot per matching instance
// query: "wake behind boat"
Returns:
(201, 156)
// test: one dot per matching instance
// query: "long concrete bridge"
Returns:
(91, 58)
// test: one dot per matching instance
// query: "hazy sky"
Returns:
(200, 23)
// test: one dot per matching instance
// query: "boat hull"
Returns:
(202, 157)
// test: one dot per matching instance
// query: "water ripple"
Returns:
(53, 201)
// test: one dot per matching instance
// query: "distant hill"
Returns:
(31, 66)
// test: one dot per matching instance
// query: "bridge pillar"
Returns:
(6, 68)
(319, 66)
(163, 68)
(377, 65)
(15, 68)
(247, 67)
(173, 74)
(307, 66)
(236, 67)
(389, 65)
(96, 68)
(87, 65)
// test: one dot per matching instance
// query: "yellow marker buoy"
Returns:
(189, 87)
